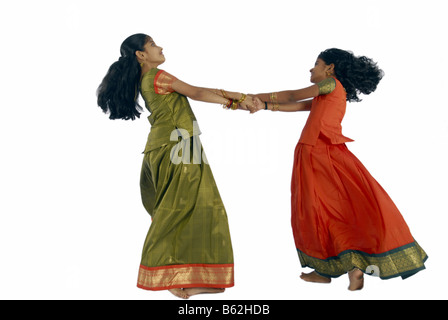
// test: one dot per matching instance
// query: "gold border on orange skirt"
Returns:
(402, 262)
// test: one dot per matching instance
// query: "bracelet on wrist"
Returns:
(273, 99)
(243, 97)
(224, 94)
(228, 104)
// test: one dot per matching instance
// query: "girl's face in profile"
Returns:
(320, 71)
(153, 55)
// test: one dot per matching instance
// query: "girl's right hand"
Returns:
(256, 104)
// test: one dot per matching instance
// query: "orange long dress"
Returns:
(341, 217)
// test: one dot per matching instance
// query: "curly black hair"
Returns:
(356, 74)
(119, 90)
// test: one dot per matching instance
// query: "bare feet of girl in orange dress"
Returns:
(314, 277)
(356, 278)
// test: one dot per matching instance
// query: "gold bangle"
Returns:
(275, 106)
(224, 94)
(243, 97)
(234, 105)
(273, 98)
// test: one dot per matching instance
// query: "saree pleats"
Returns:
(188, 243)
(343, 219)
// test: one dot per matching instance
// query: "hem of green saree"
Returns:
(186, 276)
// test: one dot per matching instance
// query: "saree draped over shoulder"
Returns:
(188, 243)
(341, 217)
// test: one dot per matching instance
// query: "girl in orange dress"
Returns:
(342, 219)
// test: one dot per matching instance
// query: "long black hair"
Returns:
(356, 74)
(118, 92)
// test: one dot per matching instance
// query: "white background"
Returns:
(72, 224)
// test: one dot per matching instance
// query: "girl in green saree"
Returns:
(188, 249)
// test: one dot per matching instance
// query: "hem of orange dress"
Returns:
(403, 262)
(185, 276)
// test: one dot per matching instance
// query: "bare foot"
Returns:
(356, 278)
(181, 293)
(194, 291)
(314, 277)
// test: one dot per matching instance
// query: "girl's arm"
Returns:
(290, 95)
(198, 93)
(210, 95)
(304, 105)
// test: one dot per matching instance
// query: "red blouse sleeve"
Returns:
(163, 82)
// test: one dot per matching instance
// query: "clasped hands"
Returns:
(251, 104)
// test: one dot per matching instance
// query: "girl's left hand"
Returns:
(252, 104)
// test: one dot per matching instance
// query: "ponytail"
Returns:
(356, 74)
(118, 92)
